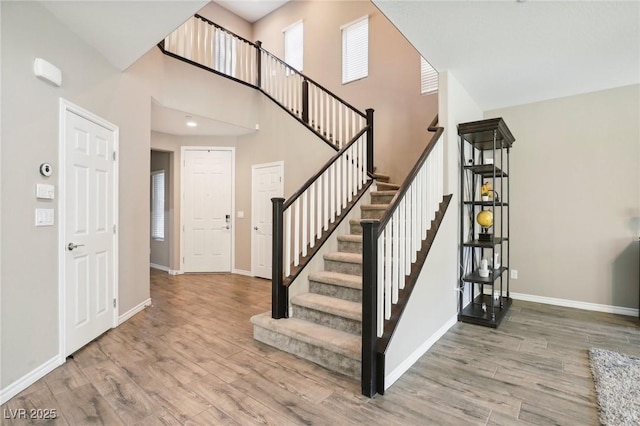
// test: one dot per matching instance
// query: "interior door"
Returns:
(89, 219)
(267, 183)
(207, 210)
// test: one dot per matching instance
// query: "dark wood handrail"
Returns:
(310, 80)
(395, 201)
(226, 30)
(323, 169)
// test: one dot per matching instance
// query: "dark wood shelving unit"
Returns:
(484, 154)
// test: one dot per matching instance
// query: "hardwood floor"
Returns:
(191, 359)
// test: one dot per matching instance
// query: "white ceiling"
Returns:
(510, 53)
(251, 10)
(173, 121)
(123, 31)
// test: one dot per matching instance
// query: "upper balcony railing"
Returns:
(212, 47)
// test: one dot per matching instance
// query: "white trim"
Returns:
(175, 272)
(136, 309)
(285, 29)
(355, 21)
(242, 272)
(160, 267)
(66, 106)
(183, 149)
(415, 356)
(30, 378)
(611, 309)
(253, 169)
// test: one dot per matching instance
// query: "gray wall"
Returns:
(575, 175)
(160, 252)
(30, 110)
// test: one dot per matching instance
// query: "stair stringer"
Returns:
(432, 305)
(300, 284)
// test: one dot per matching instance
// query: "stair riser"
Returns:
(381, 199)
(322, 356)
(339, 292)
(355, 228)
(372, 214)
(382, 186)
(328, 320)
(349, 247)
(343, 267)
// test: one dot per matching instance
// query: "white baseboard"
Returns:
(242, 272)
(415, 356)
(30, 378)
(175, 272)
(620, 310)
(131, 312)
(159, 267)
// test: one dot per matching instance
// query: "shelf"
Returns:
(485, 244)
(474, 277)
(481, 134)
(473, 313)
(486, 203)
(486, 170)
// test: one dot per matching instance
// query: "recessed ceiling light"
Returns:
(190, 122)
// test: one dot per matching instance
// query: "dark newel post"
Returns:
(259, 63)
(305, 101)
(370, 140)
(161, 44)
(369, 303)
(278, 291)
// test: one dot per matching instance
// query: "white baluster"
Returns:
(415, 219)
(345, 183)
(408, 252)
(320, 208)
(395, 266)
(334, 130)
(380, 285)
(340, 135)
(325, 201)
(339, 188)
(401, 241)
(388, 257)
(296, 233)
(312, 213)
(287, 242)
(305, 228)
(332, 192)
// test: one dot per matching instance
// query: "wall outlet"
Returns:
(514, 274)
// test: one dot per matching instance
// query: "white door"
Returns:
(88, 227)
(207, 210)
(266, 183)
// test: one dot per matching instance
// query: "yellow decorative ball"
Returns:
(485, 218)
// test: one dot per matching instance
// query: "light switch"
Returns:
(240, 215)
(45, 217)
(46, 192)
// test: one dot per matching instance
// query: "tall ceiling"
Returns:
(509, 53)
(251, 10)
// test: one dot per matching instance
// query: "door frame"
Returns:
(66, 107)
(232, 150)
(254, 167)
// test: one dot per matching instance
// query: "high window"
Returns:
(294, 45)
(428, 78)
(157, 205)
(355, 50)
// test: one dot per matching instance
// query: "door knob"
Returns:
(72, 246)
(255, 227)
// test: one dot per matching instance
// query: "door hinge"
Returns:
(114, 302)
(183, 260)
(280, 178)
(114, 156)
(114, 229)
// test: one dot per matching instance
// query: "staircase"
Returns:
(326, 325)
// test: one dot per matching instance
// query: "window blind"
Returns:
(428, 77)
(157, 205)
(355, 50)
(294, 45)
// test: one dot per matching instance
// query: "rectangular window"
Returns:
(294, 45)
(157, 205)
(355, 50)
(428, 78)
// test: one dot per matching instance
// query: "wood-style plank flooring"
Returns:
(190, 359)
